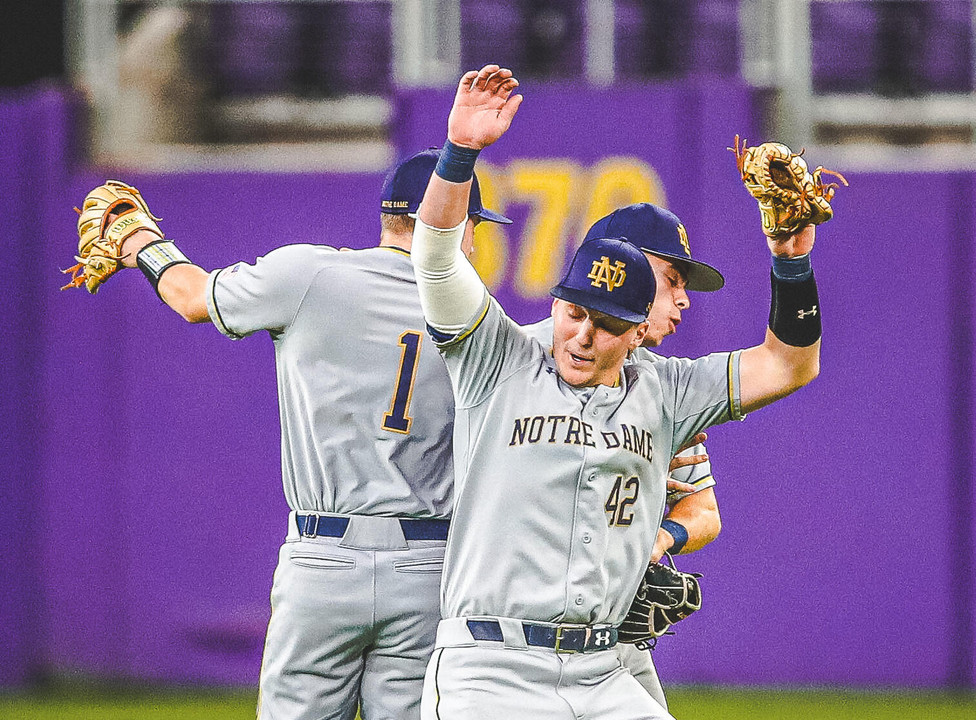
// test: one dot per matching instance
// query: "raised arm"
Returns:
(789, 357)
(451, 292)
(483, 110)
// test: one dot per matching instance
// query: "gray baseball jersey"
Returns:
(354, 613)
(570, 483)
(347, 445)
(699, 474)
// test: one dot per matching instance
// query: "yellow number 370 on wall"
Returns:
(562, 199)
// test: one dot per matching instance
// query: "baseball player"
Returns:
(367, 472)
(562, 455)
(693, 518)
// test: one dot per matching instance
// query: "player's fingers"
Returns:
(505, 89)
(678, 486)
(680, 461)
(696, 440)
(483, 76)
(496, 79)
(466, 80)
(509, 109)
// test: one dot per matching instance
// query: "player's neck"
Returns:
(399, 240)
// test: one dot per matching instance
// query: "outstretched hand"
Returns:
(483, 107)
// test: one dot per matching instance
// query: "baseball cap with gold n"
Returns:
(612, 276)
(659, 232)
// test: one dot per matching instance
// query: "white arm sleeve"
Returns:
(451, 291)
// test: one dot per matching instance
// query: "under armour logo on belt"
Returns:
(601, 637)
(612, 276)
(802, 314)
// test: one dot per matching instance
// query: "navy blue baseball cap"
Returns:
(404, 188)
(612, 276)
(659, 232)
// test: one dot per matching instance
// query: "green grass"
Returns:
(687, 703)
(692, 703)
(129, 704)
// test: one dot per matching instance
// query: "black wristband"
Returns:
(456, 163)
(156, 258)
(679, 532)
(794, 313)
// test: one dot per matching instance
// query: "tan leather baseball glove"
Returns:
(790, 197)
(110, 214)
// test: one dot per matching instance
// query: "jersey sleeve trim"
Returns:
(442, 340)
(735, 398)
(703, 482)
(214, 311)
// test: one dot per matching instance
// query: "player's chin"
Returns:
(574, 375)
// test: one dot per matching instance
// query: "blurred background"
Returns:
(141, 504)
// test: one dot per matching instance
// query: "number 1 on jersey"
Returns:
(396, 419)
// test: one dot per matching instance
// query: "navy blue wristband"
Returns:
(792, 269)
(679, 532)
(456, 163)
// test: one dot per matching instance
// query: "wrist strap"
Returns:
(792, 269)
(456, 163)
(679, 532)
(794, 311)
(156, 258)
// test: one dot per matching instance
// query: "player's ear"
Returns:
(638, 338)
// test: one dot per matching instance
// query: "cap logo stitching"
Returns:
(683, 237)
(612, 276)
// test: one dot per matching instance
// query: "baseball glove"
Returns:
(790, 196)
(664, 597)
(100, 238)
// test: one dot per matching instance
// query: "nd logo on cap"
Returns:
(605, 265)
(612, 276)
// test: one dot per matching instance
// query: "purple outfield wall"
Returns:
(141, 495)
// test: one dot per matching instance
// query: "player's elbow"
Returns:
(806, 372)
(188, 306)
(194, 314)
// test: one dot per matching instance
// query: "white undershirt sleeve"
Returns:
(451, 291)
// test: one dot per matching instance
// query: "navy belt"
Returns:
(331, 526)
(561, 638)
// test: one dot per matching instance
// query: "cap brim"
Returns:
(492, 216)
(583, 299)
(702, 277)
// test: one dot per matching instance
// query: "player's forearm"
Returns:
(184, 289)
(774, 370)
(445, 203)
(698, 518)
(451, 291)
(699, 515)
(789, 357)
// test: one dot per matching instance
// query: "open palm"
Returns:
(483, 107)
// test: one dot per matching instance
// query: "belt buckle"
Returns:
(559, 640)
(310, 529)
